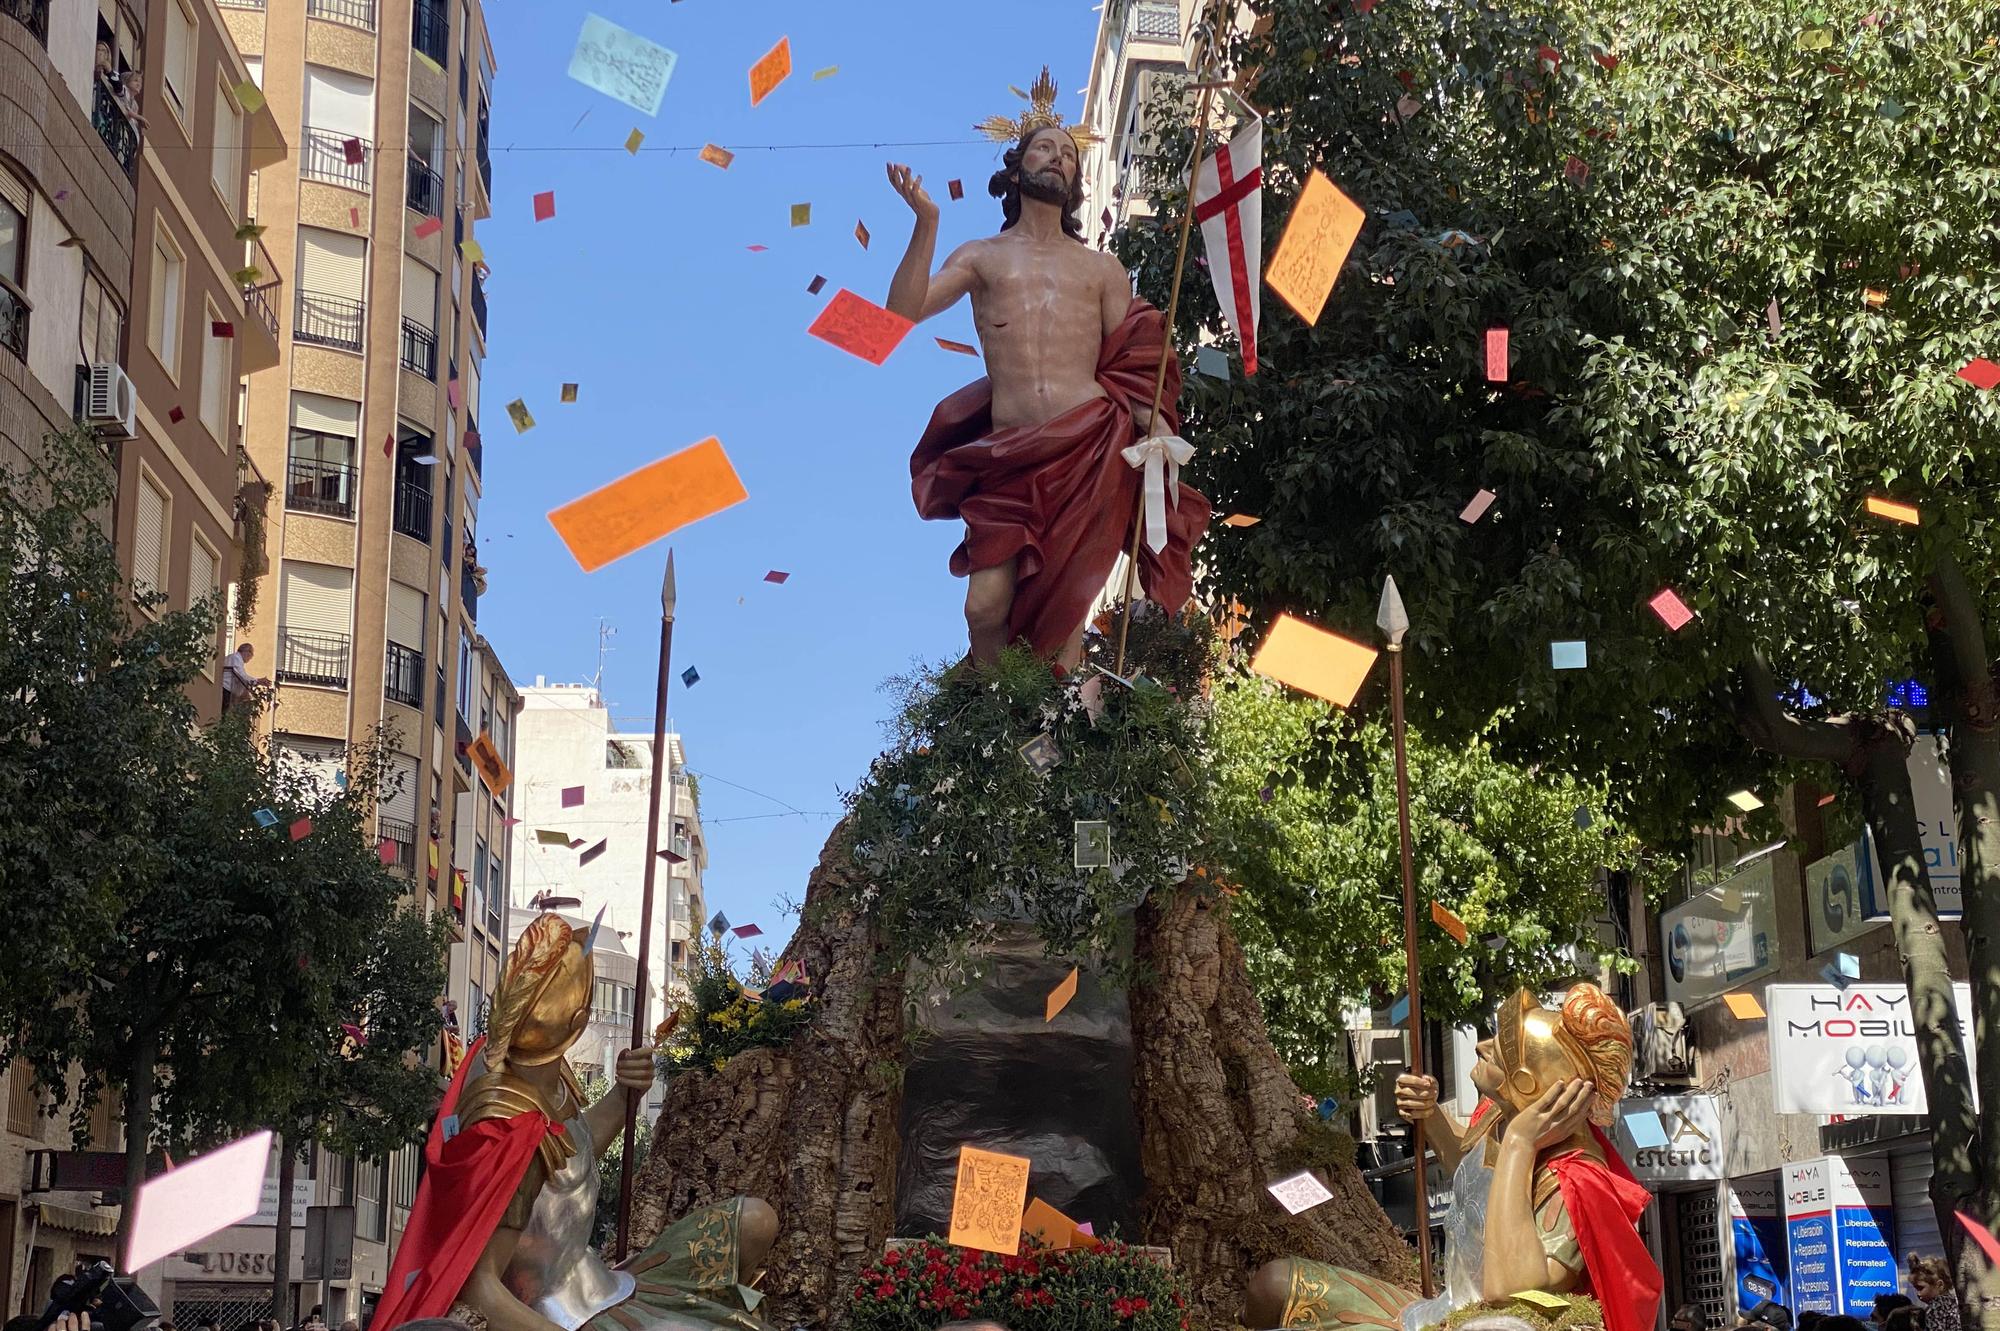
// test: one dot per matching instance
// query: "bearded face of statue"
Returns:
(1044, 166)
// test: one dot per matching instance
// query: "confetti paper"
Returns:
(962, 348)
(1241, 520)
(221, 328)
(517, 411)
(817, 285)
(493, 769)
(1496, 355)
(204, 1196)
(1569, 655)
(1450, 923)
(747, 931)
(1399, 1011)
(248, 96)
(1982, 1236)
(1542, 1299)
(1744, 1007)
(572, 797)
(622, 65)
(715, 156)
(1212, 362)
(826, 73)
(1981, 373)
(430, 226)
(1060, 996)
(756, 249)
(1322, 229)
(385, 851)
(352, 150)
(1301, 1192)
(1831, 974)
(861, 234)
(454, 394)
(473, 251)
(1646, 1129)
(987, 1203)
(354, 218)
(1893, 511)
(957, 188)
(1050, 1227)
(1774, 317)
(1312, 660)
(1041, 754)
(774, 68)
(1671, 609)
(802, 214)
(637, 509)
(176, 415)
(1874, 298)
(1744, 801)
(264, 818)
(690, 677)
(545, 205)
(776, 576)
(1848, 964)
(1093, 844)
(633, 140)
(860, 327)
(569, 392)
(548, 837)
(718, 924)
(592, 853)
(1476, 509)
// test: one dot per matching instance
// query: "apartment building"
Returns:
(582, 781)
(1139, 42)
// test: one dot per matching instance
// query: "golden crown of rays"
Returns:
(1041, 114)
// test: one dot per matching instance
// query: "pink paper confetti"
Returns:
(453, 394)
(1496, 355)
(572, 796)
(302, 829)
(385, 850)
(1671, 609)
(1476, 510)
(757, 249)
(202, 1197)
(776, 576)
(430, 226)
(747, 931)
(1982, 1236)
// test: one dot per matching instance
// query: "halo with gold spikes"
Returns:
(1041, 114)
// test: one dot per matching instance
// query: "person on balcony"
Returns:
(238, 685)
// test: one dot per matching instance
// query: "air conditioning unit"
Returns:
(1660, 1050)
(110, 403)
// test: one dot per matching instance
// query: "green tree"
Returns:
(1305, 832)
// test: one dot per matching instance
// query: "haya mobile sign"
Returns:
(1849, 1051)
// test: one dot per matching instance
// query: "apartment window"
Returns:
(103, 321)
(226, 166)
(319, 469)
(13, 262)
(169, 277)
(464, 672)
(215, 353)
(478, 881)
(24, 1106)
(371, 1210)
(205, 582)
(315, 617)
(496, 893)
(332, 276)
(179, 74)
(419, 348)
(149, 535)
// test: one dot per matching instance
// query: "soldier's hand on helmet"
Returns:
(1557, 1113)
(1416, 1097)
(635, 1069)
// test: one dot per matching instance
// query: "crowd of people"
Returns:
(1930, 1306)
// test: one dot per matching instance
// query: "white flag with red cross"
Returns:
(1229, 204)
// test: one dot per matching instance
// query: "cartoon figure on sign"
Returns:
(1855, 1074)
(1898, 1075)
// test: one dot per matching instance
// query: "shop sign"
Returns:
(1848, 1051)
(1839, 1233)
(1692, 1127)
(1840, 895)
(1724, 936)
(1757, 1232)
(1930, 791)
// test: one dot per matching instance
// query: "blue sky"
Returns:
(641, 290)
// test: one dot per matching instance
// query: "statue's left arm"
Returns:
(1115, 301)
(1516, 1258)
(606, 1118)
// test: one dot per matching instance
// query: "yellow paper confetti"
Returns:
(1745, 801)
(632, 142)
(1744, 1007)
(1893, 511)
(517, 411)
(472, 250)
(249, 96)
(802, 214)
(826, 73)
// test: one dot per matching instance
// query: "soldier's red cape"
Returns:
(1057, 496)
(467, 1184)
(1605, 1202)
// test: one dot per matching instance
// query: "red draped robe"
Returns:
(1058, 497)
(467, 1184)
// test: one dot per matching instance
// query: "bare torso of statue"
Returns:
(1043, 303)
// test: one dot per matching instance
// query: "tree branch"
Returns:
(1965, 639)
(1772, 728)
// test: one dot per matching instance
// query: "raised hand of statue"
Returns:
(635, 1069)
(911, 187)
(1416, 1097)
(1554, 1116)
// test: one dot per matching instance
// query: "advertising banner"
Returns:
(1724, 936)
(1840, 895)
(1848, 1051)
(1930, 786)
(1670, 1138)
(1840, 1233)
(1757, 1230)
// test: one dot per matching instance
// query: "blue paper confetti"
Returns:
(1400, 1012)
(265, 818)
(1569, 655)
(622, 65)
(1646, 1129)
(690, 677)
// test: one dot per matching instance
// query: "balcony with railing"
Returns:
(112, 124)
(479, 302)
(13, 320)
(420, 350)
(30, 14)
(259, 280)
(403, 680)
(475, 448)
(326, 156)
(354, 13)
(316, 486)
(412, 516)
(314, 658)
(424, 188)
(1156, 21)
(328, 321)
(483, 152)
(402, 837)
(430, 30)
(468, 586)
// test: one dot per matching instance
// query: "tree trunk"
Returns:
(281, 1238)
(813, 1129)
(1965, 689)
(138, 1132)
(1874, 752)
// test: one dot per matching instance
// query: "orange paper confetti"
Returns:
(1312, 660)
(861, 233)
(1050, 1227)
(986, 1205)
(491, 769)
(1450, 923)
(1496, 355)
(1060, 996)
(1321, 231)
(1240, 520)
(1744, 1007)
(638, 509)
(1895, 512)
(962, 348)
(860, 327)
(715, 156)
(769, 72)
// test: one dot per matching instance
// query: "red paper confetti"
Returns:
(817, 285)
(221, 328)
(962, 348)
(302, 829)
(1608, 60)
(860, 327)
(756, 249)
(592, 853)
(545, 205)
(388, 445)
(352, 150)
(1496, 355)
(747, 931)
(1982, 1236)
(1551, 57)
(385, 850)
(176, 415)
(1981, 373)
(1576, 170)
(957, 188)
(1475, 509)
(775, 576)
(1671, 609)
(430, 226)
(354, 218)
(572, 797)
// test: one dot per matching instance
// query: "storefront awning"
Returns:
(78, 1222)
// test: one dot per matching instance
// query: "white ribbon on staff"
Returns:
(1161, 456)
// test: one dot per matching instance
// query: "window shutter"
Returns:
(406, 616)
(149, 536)
(319, 598)
(180, 50)
(326, 415)
(13, 191)
(331, 264)
(420, 294)
(227, 164)
(340, 103)
(401, 805)
(202, 569)
(472, 386)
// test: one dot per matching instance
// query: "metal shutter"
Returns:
(14, 191)
(406, 616)
(420, 294)
(400, 805)
(1698, 1218)
(321, 759)
(202, 569)
(340, 103)
(326, 415)
(149, 536)
(331, 264)
(1910, 1195)
(319, 598)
